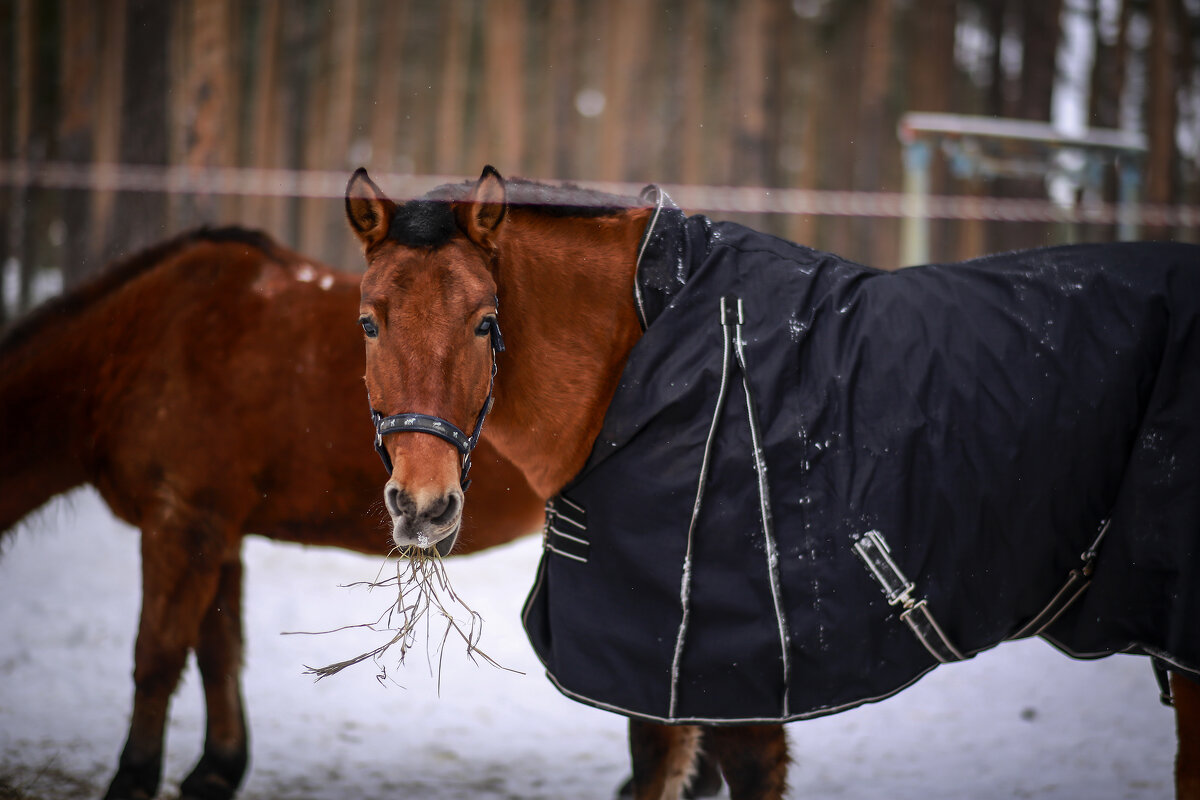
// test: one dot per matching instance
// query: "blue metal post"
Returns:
(914, 233)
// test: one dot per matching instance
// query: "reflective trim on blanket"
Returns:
(685, 588)
(732, 319)
(764, 504)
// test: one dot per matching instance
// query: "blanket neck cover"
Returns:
(986, 418)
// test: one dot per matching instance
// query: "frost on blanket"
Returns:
(986, 417)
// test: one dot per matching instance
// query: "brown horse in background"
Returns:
(209, 387)
(557, 270)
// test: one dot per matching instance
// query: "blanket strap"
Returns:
(875, 554)
(1077, 581)
(1161, 674)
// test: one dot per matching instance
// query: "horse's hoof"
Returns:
(707, 783)
(131, 795)
(208, 787)
(128, 785)
(214, 778)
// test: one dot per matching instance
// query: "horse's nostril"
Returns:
(395, 500)
(446, 509)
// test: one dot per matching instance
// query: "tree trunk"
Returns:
(501, 89)
(691, 84)
(875, 133)
(748, 109)
(1161, 112)
(563, 46)
(203, 117)
(110, 98)
(140, 217)
(1038, 23)
(8, 83)
(931, 71)
(840, 125)
(449, 150)
(22, 137)
(625, 112)
(266, 138)
(80, 54)
(801, 115)
(1041, 25)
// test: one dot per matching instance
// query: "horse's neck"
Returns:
(566, 307)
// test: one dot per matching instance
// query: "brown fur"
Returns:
(564, 282)
(209, 387)
(1186, 693)
(664, 758)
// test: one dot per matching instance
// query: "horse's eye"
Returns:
(369, 327)
(485, 326)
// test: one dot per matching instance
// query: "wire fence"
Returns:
(331, 184)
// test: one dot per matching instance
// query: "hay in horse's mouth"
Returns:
(421, 584)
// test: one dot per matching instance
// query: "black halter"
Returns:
(436, 426)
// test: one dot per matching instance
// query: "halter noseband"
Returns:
(437, 426)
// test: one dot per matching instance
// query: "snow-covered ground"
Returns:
(1018, 721)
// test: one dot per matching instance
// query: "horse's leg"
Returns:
(707, 780)
(664, 758)
(1186, 691)
(753, 759)
(181, 567)
(705, 783)
(219, 657)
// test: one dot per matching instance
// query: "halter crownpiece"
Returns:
(437, 426)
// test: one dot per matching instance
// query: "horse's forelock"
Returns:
(423, 223)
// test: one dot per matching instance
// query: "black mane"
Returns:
(119, 272)
(429, 221)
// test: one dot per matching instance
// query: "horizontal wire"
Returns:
(331, 184)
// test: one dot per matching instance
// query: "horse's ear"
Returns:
(483, 211)
(368, 209)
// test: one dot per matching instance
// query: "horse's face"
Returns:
(427, 311)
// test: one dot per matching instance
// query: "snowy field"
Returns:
(1018, 721)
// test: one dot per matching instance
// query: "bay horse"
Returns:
(557, 269)
(209, 387)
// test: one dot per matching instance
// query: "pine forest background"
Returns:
(125, 121)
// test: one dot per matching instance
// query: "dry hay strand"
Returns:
(422, 586)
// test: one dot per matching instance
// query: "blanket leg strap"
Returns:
(1164, 681)
(898, 589)
(1077, 581)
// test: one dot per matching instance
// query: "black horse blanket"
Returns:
(986, 418)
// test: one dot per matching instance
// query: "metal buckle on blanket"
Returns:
(877, 556)
(875, 553)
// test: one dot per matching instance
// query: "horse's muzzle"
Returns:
(427, 520)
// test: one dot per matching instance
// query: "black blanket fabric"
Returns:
(985, 417)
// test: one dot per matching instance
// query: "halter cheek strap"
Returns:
(437, 426)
